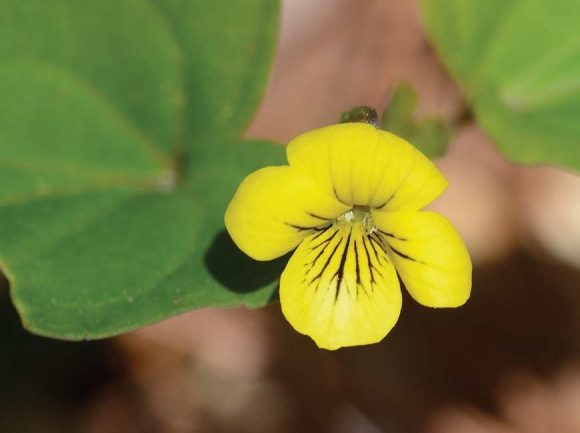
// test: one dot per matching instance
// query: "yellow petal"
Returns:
(340, 288)
(274, 208)
(429, 255)
(364, 166)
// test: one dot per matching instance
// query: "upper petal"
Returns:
(429, 255)
(274, 208)
(364, 166)
(340, 288)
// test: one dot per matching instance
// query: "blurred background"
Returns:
(506, 362)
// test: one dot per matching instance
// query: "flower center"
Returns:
(357, 215)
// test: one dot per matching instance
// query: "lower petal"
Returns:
(340, 288)
(429, 255)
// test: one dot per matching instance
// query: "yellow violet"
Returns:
(350, 200)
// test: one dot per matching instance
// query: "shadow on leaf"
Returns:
(238, 272)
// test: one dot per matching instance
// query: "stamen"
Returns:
(360, 214)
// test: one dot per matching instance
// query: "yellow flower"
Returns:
(350, 200)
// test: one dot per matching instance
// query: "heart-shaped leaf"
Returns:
(518, 63)
(118, 156)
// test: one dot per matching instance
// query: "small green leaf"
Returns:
(430, 135)
(118, 157)
(518, 63)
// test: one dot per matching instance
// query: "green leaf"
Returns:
(518, 63)
(118, 157)
(430, 135)
(98, 262)
(222, 41)
(103, 45)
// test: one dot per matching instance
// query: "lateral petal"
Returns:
(340, 288)
(429, 255)
(274, 208)
(367, 167)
